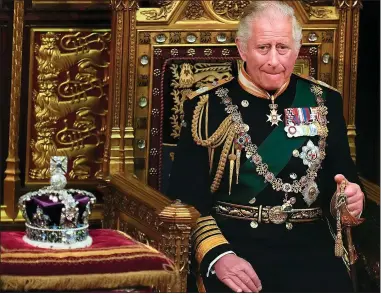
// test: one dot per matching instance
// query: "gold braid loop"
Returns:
(223, 157)
(218, 136)
(224, 134)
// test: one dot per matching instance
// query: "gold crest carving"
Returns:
(229, 9)
(160, 13)
(194, 11)
(186, 77)
(69, 102)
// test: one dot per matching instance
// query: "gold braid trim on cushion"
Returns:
(82, 260)
(80, 254)
(208, 244)
(224, 134)
(88, 281)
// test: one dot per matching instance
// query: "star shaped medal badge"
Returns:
(273, 117)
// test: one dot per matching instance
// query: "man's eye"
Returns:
(263, 48)
(282, 49)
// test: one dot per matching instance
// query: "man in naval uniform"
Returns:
(260, 156)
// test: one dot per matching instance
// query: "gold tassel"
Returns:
(232, 157)
(237, 164)
(339, 247)
(222, 161)
(339, 251)
(211, 158)
(340, 201)
(223, 135)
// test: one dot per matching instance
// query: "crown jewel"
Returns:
(56, 217)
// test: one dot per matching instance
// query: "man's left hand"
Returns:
(355, 197)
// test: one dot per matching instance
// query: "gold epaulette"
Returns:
(208, 87)
(320, 83)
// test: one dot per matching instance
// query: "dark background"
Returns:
(368, 93)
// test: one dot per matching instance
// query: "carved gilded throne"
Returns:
(112, 101)
(161, 51)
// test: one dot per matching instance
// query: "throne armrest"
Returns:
(151, 218)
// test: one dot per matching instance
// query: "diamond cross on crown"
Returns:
(58, 165)
(58, 169)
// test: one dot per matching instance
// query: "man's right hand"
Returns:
(237, 274)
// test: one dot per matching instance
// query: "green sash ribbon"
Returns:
(276, 149)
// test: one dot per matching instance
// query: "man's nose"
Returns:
(273, 57)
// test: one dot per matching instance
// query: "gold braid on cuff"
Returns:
(208, 244)
(206, 236)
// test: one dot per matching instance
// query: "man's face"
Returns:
(270, 53)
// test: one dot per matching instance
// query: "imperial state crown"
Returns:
(57, 218)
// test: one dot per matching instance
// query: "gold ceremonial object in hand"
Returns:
(344, 220)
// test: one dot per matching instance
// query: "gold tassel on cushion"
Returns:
(88, 282)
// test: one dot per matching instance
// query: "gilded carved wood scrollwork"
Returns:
(176, 245)
(137, 234)
(131, 62)
(12, 179)
(340, 70)
(319, 12)
(348, 4)
(119, 5)
(194, 11)
(347, 62)
(120, 130)
(354, 55)
(166, 6)
(229, 9)
(152, 219)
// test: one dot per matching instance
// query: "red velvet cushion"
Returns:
(114, 260)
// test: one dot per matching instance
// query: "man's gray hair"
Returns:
(256, 8)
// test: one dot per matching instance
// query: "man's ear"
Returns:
(241, 45)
